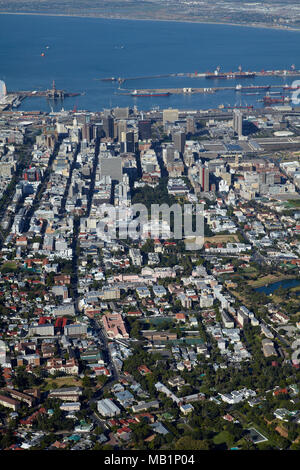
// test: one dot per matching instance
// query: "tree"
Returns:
(140, 431)
(7, 439)
(186, 443)
(87, 381)
(102, 379)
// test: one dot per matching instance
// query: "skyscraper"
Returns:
(122, 129)
(144, 130)
(86, 132)
(127, 142)
(168, 154)
(190, 125)
(108, 126)
(179, 141)
(238, 122)
(204, 178)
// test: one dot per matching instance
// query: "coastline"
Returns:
(75, 15)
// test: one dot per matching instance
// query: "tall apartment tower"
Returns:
(238, 122)
(204, 178)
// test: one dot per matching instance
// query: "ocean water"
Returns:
(78, 51)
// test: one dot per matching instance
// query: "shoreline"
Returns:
(75, 15)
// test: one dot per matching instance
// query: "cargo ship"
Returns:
(149, 94)
(269, 100)
(290, 88)
(253, 88)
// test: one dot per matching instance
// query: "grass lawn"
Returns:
(269, 279)
(185, 427)
(294, 203)
(10, 265)
(61, 382)
(276, 299)
(239, 296)
(224, 437)
(248, 273)
(222, 239)
(250, 269)
(295, 289)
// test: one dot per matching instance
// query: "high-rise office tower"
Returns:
(122, 129)
(129, 142)
(86, 132)
(108, 126)
(168, 154)
(96, 131)
(238, 122)
(190, 125)
(179, 141)
(144, 130)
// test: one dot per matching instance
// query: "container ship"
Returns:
(253, 88)
(150, 94)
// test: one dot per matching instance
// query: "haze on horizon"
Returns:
(271, 13)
